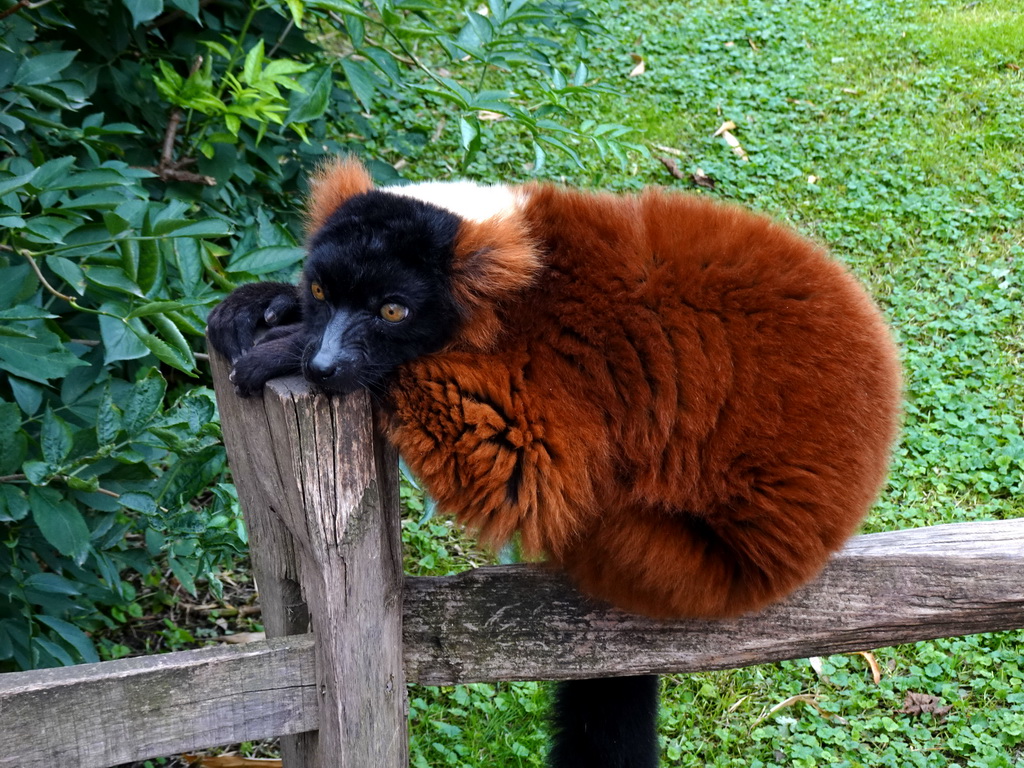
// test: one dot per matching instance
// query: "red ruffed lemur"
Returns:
(684, 405)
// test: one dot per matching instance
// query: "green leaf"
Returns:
(86, 484)
(296, 8)
(155, 541)
(114, 278)
(49, 650)
(184, 571)
(361, 81)
(13, 503)
(10, 420)
(143, 10)
(55, 438)
(304, 107)
(11, 122)
(140, 502)
(340, 6)
(28, 394)
(165, 353)
(202, 228)
(108, 419)
(52, 582)
(155, 307)
(190, 7)
(170, 334)
(562, 146)
(25, 312)
(37, 472)
(470, 132)
(189, 263)
(95, 179)
(268, 259)
(580, 76)
(13, 450)
(15, 183)
(35, 359)
(60, 522)
(70, 272)
(167, 225)
(71, 635)
(42, 68)
(119, 341)
(151, 266)
(539, 157)
(498, 10)
(52, 171)
(253, 59)
(144, 403)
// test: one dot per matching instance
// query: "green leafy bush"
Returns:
(150, 160)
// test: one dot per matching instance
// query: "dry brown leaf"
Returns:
(737, 148)
(639, 65)
(1014, 67)
(232, 761)
(753, 45)
(815, 662)
(243, 637)
(876, 671)
(920, 703)
(672, 166)
(728, 125)
(701, 179)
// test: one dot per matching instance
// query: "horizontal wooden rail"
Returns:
(98, 715)
(882, 589)
(513, 623)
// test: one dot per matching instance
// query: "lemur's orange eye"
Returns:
(317, 290)
(394, 313)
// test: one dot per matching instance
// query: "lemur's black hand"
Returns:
(234, 323)
(277, 353)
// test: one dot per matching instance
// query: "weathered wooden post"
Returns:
(320, 495)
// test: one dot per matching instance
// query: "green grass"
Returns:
(910, 113)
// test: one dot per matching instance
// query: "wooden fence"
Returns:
(320, 494)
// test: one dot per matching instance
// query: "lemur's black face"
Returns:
(376, 290)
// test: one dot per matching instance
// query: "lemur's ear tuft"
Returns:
(494, 259)
(334, 183)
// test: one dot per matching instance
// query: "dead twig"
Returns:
(672, 166)
(170, 169)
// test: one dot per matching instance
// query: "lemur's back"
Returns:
(734, 390)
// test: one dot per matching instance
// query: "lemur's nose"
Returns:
(321, 367)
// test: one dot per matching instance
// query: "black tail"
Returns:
(605, 723)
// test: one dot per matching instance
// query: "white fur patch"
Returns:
(466, 199)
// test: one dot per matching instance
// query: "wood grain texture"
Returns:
(98, 715)
(526, 623)
(321, 496)
(513, 623)
(272, 548)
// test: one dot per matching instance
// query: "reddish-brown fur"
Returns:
(334, 183)
(686, 406)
